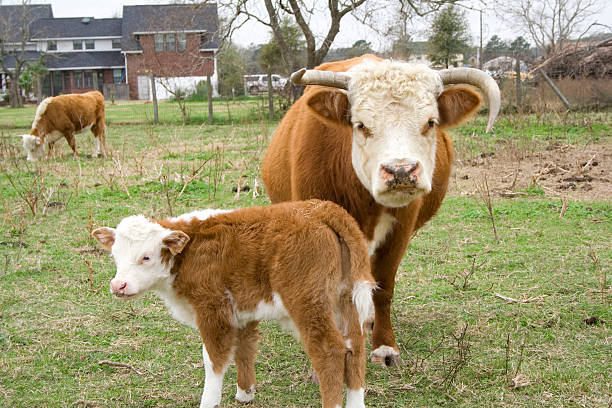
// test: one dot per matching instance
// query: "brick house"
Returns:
(175, 42)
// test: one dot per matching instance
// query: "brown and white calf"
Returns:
(63, 116)
(369, 134)
(304, 264)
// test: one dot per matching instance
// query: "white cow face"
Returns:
(142, 251)
(33, 146)
(394, 113)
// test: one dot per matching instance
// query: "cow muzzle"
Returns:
(401, 175)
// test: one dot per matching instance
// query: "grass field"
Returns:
(518, 321)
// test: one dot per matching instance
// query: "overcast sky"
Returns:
(350, 30)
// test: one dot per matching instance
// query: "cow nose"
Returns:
(401, 174)
(118, 286)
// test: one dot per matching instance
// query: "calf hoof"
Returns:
(245, 396)
(385, 356)
(314, 378)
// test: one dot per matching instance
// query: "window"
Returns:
(89, 44)
(78, 79)
(77, 45)
(88, 79)
(117, 43)
(67, 81)
(117, 75)
(51, 45)
(170, 42)
(182, 41)
(159, 42)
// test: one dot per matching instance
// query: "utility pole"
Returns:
(480, 51)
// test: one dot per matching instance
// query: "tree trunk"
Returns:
(518, 83)
(154, 97)
(15, 94)
(210, 97)
(270, 97)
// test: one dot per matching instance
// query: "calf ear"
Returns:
(456, 104)
(105, 236)
(330, 104)
(176, 241)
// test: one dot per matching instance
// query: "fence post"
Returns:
(555, 89)
(210, 96)
(154, 95)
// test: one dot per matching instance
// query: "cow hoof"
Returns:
(245, 396)
(314, 378)
(385, 356)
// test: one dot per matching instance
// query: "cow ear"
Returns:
(105, 236)
(330, 104)
(456, 104)
(176, 241)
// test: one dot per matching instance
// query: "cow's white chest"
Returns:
(382, 229)
(178, 307)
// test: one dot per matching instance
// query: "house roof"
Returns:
(85, 60)
(9, 59)
(11, 19)
(78, 27)
(171, 17)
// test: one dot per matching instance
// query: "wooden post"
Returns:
(270, 98)
(95, 80)
(154, 97)
(209, 95)
(555, 89)
(518, 83)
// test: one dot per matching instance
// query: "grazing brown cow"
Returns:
(368, 134)
(304, 264)
(63, 116)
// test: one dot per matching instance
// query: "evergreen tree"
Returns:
(448, 36)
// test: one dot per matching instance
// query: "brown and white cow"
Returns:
(63, 116)
(368, 134)
(304, 264)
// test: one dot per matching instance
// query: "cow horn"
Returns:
(479, 79)
(315, 77)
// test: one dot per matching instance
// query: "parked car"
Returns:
(254, 84)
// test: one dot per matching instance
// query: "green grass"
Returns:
(57, 322)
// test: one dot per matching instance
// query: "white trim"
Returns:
(209, 49)
(126, 70)
(169, 32)
(85, 68)
(81, 50)
(132, 52)
(75, 38)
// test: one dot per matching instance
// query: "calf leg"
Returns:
(326, 350)
(244, 356)
(354, 367)
(218, 337)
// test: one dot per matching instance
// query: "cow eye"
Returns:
(360, 126)
(431, 123)
(145, 258)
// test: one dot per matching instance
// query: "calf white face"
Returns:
(394, 113)
(142, 251)
(33, 146)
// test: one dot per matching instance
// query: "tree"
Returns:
(519, 48)
(15, 53)
(495, 47)
(231, 69)
(448, 36)
(358, 48)
(551, 23)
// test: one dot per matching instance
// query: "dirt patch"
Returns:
(559, 170)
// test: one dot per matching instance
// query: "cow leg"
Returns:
(244, 356)
(72, 143)
(385, 262)
(50, 149)
(99, 132)
(325, 348)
